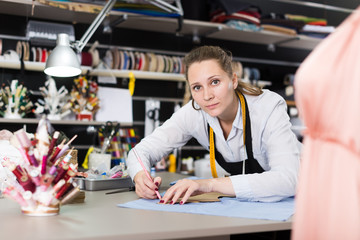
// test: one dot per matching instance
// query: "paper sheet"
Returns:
(229, 207)
(115, 105)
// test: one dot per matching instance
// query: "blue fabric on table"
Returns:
(229, 207)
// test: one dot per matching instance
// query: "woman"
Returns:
(219, 105)
(327, 95)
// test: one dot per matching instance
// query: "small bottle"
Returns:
(152, 172)
(172, 163)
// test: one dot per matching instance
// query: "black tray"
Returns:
(104, 184)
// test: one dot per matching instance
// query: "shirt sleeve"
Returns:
(281, 149)
(163, 140)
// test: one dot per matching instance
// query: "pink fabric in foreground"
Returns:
(327, 91)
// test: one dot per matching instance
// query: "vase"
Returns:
(41, 210)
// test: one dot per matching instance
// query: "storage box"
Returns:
(45, 33)
(104, 184)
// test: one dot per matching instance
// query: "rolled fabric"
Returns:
(289, 79)
(247, 73)
(86, 59)
(255, 73)
(19, 49)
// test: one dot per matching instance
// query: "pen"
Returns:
(146, 172)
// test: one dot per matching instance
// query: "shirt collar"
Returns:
(238, 119)
(214, 121)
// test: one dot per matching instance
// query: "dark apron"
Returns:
(235, 168)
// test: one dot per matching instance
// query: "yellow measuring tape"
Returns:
(211, 136)
(131, 83)
(212, 153)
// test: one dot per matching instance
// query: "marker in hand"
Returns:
(146, 172)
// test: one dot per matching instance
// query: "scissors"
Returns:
(108, 130)
(153, 114)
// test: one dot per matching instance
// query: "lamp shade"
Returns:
(63, 61)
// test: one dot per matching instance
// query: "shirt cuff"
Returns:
(132, 164)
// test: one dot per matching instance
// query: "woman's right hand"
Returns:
(144, 187)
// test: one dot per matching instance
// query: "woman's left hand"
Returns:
(185, 188)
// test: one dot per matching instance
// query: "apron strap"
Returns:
(234, 168)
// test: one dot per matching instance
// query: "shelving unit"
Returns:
(190, 28)
(160, 24)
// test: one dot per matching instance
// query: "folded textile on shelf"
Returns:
(316, 31)
(279, 29)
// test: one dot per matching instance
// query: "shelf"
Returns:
(266, 38)
(140, 74)
(161, 24)
(24, 8)
(32, 66)
(36, 66)
(58, 122)
(168, 25)
(218, 31)
(39, 66)
(303, 42)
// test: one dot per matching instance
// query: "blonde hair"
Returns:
(224, 59)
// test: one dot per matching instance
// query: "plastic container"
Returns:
(203, 169)
(100, 161)
(45, 33)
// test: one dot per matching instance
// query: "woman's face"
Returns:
(212, 88)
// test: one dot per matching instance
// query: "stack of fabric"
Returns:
(296, 24)
(280, 23)
(146, 8)
(242, 16)
(314, 27)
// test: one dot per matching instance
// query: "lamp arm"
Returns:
(179, 6)
(167, 7)
(79, 45)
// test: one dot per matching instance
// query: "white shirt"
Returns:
(275, 146)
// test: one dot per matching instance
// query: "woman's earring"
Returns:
(193, 105)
